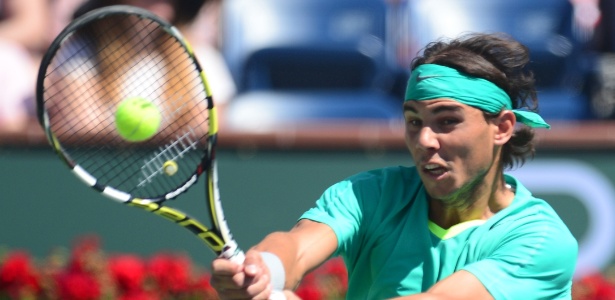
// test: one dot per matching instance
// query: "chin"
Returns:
(440, 189)
(440, 193)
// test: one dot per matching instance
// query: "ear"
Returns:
(504, 127)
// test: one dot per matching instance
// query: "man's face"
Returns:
(451, 143)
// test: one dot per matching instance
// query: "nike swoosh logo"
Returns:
(421, 78)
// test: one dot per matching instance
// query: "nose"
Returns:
(427, 139)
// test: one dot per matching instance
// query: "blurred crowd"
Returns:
(27, 27)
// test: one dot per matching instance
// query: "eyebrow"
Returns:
(437, 110)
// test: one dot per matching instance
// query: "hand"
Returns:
(251, 280)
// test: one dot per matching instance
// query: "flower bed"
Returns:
(88, 273)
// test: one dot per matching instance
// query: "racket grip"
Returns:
(233, 254)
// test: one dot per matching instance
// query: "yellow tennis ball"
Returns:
(137, 119)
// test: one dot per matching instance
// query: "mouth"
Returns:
(435, 171)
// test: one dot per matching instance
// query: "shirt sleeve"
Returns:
(339, 208)
(536, 259)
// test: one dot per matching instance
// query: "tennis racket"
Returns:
(114, 53)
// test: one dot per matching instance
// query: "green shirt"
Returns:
(391, 248)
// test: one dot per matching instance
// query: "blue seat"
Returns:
(302, 68)
(309, 60)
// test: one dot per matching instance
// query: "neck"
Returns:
(478, 200)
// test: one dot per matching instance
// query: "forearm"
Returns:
(302, 249)
(282, 245)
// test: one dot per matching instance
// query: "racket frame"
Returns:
(218, 237)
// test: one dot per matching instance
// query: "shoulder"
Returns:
(386, 176)
(537, 234)
(376, 193)
(531, 240)
(524, 244)
(528, 212)
(383, 183)
(529, 216)
(366, 191)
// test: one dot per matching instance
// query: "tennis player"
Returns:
(454, 226)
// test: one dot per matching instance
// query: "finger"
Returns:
(253, 263)
(253, 270)
(221, 266)
(258, 290)
(224, 282)
(238, 280)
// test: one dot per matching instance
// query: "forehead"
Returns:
(437, 106)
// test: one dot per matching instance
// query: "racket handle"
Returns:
(233, 253)
(236, 255)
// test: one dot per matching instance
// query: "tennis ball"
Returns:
(137, 119)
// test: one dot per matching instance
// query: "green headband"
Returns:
(430, 81)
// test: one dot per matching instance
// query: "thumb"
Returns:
(253, 263)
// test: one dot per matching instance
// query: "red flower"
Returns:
(310, 278)
(139, 295)
(18, 277)
(336, 268)
(128, 272)
(202, 289)
(78, 286)
(309, 292)
(86, 255)
(171, 273)
(329, 281)
(593, 287)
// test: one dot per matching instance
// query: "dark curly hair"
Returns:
(501, 60)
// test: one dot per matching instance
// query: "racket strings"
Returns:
(101, 67)
(88, 39)
(92, 69)
(184, 90)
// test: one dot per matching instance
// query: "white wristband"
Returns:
(276, 270)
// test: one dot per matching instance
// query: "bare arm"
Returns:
(307, 245)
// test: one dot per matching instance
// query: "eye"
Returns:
(449, 121)
(413, 122)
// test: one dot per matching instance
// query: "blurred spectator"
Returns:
(604, 40)
(204, 35)
(61, 14)
(114, 76)
(594, 22)
(23, 25)
(595, 26)
(198, 20)
(586, 17)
